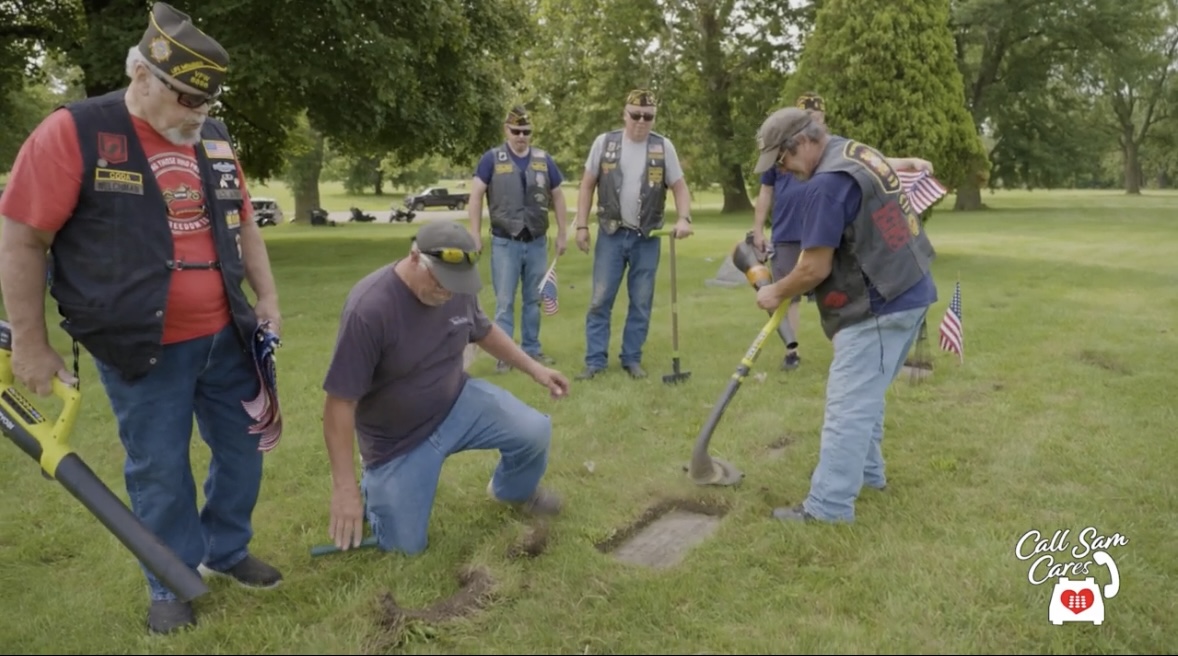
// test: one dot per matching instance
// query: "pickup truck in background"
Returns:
(436, 197)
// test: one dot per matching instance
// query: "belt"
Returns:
(524, 235)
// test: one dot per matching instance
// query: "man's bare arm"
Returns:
(474, 206)
(682, 198)
(500, 346)
(585, 197)
(22, 281)
(257, 262)
(813, 266)
(339, 431)
(761, 209)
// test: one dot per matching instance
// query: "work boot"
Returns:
(168, 615)
(791, 362)
(795, 514)
(542, 501)
(635, 370)
(251, 573)
(588, 373)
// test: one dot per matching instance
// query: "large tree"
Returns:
(407, 77)
(888, 73)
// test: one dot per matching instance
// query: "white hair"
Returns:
(135, 57)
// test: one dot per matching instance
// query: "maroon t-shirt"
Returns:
(401, 360)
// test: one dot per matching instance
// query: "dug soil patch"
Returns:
(664, 534)
(476, 586)
(777, 447)
(531, 543)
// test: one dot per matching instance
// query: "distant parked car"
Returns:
(266, 212)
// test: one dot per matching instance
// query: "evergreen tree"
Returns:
(887, 72)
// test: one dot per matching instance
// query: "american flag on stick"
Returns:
(952, 336)
(922, 188)
(548, 292)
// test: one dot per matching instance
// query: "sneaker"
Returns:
(251, 573)
(544, 359)
(791, 362)
(502, 367)
(168, 615)
(542, 501)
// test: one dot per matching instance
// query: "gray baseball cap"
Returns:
(451, 250)
(781, 125)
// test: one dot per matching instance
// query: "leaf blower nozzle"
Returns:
(48, 444)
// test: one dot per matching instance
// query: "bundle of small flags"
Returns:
(548, 291)
(264, 408)
(922, 189)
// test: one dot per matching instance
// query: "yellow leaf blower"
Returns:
(47, 443)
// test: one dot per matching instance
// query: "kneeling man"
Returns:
(397, 383)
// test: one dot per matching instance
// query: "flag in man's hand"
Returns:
(952, 336)
(548, 291)
(922, 189)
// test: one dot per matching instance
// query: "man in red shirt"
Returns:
(140, 201)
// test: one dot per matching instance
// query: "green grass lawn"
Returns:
(1060, 418)
(333, 197)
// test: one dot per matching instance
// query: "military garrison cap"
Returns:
(811, 100)
(182, 51)
(641, 98)
(518, 117)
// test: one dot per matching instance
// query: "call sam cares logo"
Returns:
(1075, 597)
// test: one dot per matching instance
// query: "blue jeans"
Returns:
(611, 256)
(399, 494)
(867, 356)
(511, 262)
(209, 377)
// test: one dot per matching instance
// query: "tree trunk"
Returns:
(1132, 166)
(717, 81)
(736, 199)
(969, 196)
(306, 185)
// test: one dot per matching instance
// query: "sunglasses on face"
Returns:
(642, 116)
(454, 255)
(516, 132)
(189, 100)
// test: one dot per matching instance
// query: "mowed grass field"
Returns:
(1061, 418)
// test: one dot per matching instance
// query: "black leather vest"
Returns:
(112, 259)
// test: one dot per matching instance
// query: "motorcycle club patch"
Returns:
(112, 147)
(123, 182)
(875, 163)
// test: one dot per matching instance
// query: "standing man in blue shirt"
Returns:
(782, 191)
(521, 182)
(867, 258)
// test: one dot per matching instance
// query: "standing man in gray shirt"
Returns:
(631, 170)
(396, 384)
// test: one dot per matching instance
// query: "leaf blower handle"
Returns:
(48, 444)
